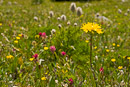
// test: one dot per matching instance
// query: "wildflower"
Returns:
(113, 44)
(51, 13)
(128, 58)
(73, 7)
(120, 67)
(34, 43)
(101, 70)
(15, 41)
(75, 24)
(58, 18)
(45, 48)
(118, 45)
(44, 34)
(20, 35)
(40, 33)
(87, 41)
(107, 50)
(123, 57)
(71, 81)
(0, 24)
(9, 57)
(35, 56)
(31, 59)
(95, 47)
(119, 11)
(63, 53)
(53, 31)
(17, 38)
(53, 49)
(43, 78)
(79, 11)
(59, 26)
(37, 36)
(56, 81)
(68, 23)
(128, 10)
(91, 27)
(63, 17)
(36, 18)
(126, 14)
(113, 60)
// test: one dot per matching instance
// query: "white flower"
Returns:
(53, 31)
(40, 61)
(56, 81)
(59, 26)
(51, 13)
(79, 11)
(63, 17)
(119, 11)
(73, 7)
(128, 10)
(68, 23)
(96, 57)
(58, 18)
(75, 24)
(35, 18)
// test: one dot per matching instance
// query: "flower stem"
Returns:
(91, 42)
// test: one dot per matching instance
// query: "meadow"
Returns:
(65, 44)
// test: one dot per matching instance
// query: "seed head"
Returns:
(73, 7)
(51, 13)
(79, 11)
(63, 17)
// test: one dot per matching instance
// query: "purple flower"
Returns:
(53, 49)
(63, 53)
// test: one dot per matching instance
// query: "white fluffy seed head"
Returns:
(51, 13)
(36, 18)
(79, 11)
(59, 26)
(53, 31)
(73, 7)
(58, 18)
(63, 17)
(75, 24)
(126, 14)
(128, 10)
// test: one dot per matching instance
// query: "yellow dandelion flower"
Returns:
(118, 45)
(120, 67)
(113, 60)
(87, 41)
(95, 47)
(91, 27)
(20, 35)
(9, 57)
(0, 24)
(31, 59)
(107, 50)
(15, 41)
(17, 38)
(114, 44)
(37, 36)
(43, 78)
(128, 58)
(45, 48)
(123, 57)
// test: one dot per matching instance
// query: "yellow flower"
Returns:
(37, 36)
(86, 41)
(113, 44)
(0, 24)
(123, 57)
(128, 58)
(9, 57)
(95, 47)
(43, 78)
(15, 41)
(118, 45)
(17, 38)
(91, 27)
(45, 48)
(107, 50)
(20, 35)
(31, 59)
(120, 67)
(113, 60)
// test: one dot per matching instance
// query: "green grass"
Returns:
(20, 71)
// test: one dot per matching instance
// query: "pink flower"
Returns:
(35, 56)
(63, 53)
(71, 81)
(53, 49)
(40, 33)
(44, 34)
(101, 70)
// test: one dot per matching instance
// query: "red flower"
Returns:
(40, 33)
(63, 53)
(35, 56)
(44, 34)
(71, 81)
(53, 49)
(101, 70)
